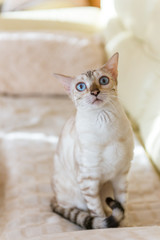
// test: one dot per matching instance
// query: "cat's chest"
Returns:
(103, 121)
(99, 127)
(104, 140)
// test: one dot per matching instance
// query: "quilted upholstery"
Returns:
(29, 59)
(29, 130)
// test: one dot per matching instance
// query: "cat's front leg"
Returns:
(90, 187)
(120, 188)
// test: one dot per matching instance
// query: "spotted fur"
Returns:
(95, 147)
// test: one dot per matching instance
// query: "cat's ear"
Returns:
(65, 80)
(112, 65)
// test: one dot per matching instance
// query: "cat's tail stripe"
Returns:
(85, 220)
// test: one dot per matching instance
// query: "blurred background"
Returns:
(40, 37)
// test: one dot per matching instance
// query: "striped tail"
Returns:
(85, 220)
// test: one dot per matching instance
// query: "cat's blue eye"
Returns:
(81, 86)
(104, 80)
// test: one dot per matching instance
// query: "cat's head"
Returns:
(95, 88)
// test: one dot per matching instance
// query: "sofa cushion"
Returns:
(139, 85)
(29, 59)
(133, 33)
(136, 233)
(142, 19)
(29, 131)
(50, 20)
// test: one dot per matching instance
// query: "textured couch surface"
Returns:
(29, 130)
(29, 59)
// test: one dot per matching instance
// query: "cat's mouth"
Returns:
(97, 101)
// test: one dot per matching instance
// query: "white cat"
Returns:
(96, 146)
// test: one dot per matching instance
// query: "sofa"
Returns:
(34, 108)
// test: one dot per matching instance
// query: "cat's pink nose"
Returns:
(95, 92)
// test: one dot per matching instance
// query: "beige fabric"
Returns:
(28, 60)
(145, 233)
(141, 79)
(142, 19)
(29, 130)
(50, 20)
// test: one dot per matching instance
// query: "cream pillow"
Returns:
(142, 18)
(16, 5)
(139, 88)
